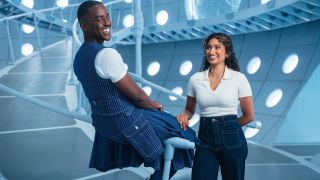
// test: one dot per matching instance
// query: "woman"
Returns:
(218, 89)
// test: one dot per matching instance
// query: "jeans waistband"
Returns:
(219, 118)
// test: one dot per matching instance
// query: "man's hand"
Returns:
(159, 107)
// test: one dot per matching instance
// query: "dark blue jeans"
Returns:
(223, 145)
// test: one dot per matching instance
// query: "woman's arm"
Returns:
(129, 87)
(247, 109)
(188, 112)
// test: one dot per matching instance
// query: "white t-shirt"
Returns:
(224, 99)
(109, 65)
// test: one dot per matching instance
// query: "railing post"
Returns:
(72, 80)
(153, 14)
(37, 31)
(12, 61)
(138, 27)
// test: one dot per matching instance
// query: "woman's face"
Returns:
(215, 52)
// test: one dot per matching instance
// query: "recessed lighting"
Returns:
(254, 65)
(162, 17)
(290, 63)
(28, 3)
(27, 28)
(194, 120)
(185, 67)
(26, 49)
(147, 90)
(128, 20)
(251, 132)
(153, 68)
(62, 3)
(178, 90)
(274, 98)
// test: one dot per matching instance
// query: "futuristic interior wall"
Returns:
(272, 47)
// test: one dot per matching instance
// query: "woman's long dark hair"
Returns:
(231, 61)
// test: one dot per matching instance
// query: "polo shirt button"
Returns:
(136, 127)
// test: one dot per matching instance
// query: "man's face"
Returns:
(97, 24)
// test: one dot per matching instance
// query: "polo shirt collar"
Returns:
(227, 73)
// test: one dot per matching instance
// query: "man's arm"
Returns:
(129, 87)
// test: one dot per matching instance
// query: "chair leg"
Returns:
(168, 155)
(171, 144)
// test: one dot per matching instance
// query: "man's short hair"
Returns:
(84, 7)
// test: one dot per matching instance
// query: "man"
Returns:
(130, 128)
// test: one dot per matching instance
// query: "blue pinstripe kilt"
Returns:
(136, 136)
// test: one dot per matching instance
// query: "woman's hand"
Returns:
(188, 112)
(183, 120)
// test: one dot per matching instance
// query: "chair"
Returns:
(171, 144)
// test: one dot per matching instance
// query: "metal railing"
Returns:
(45, 105)
(40, 19)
